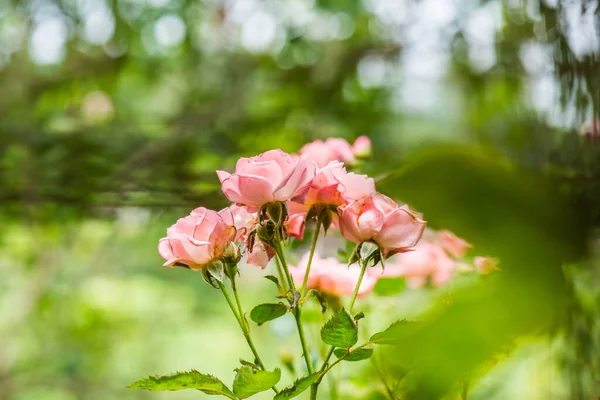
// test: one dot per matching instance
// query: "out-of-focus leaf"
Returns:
(249, 381)
(340, 330)
(184, 380)
(509, 214)
(389, 286)
(390, 335)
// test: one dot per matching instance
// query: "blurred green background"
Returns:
(114, 115)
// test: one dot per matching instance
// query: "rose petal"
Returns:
(400, 229)
(298, 180)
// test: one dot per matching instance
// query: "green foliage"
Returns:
(184, 380)
(341, 330)
(267, 312)
(389, 286)
(299, 386)
(390, 335)
(515, 216)
(354, 355)
(249, 381)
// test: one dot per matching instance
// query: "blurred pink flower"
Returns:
(378, 218)
(428, 260)
(453, 244)
(196, 240)
(362, 147)
(270, 176)
(328, 275)
(336, 149)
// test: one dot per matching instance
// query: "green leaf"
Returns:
(267, 312)
(184, 380)
(249, 381)
(390, 335)
(299, 386)
(389, 286)
(355, 355)
(340, 330)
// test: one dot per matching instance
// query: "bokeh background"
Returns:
(114, 115)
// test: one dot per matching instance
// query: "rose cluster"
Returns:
(274, 194)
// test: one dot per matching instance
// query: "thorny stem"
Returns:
(297, 308)
(239, 316)
(310, 256)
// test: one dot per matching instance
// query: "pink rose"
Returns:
(454, 245)
(333, 185)
(260, 254)
(241, 218)
(328, 275)
(336, 149)
(295, 225)
(378, 218)
(429, 260)
(196, 240)
(271, 176)
(362, 147)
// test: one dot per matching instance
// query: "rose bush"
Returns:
(275, 198)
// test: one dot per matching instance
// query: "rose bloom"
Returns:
(328, 275)
(429, 260)
(333, 185)
(241, 218)
(270, 176)
(196, 240)
(379, 219)
(454, 245)
(336, 149)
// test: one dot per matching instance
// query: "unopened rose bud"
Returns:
(232, 253)
(266, 233)
(486, 265)
(277, 212)
(362, 147)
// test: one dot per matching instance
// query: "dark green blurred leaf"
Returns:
(389, 286)
(390, 335)
(506, 213)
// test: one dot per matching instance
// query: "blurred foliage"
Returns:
(114, 115)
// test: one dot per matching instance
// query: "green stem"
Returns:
(297, 309)
(363, 268)
(239, 316)
(282, 280)
(288, 276)
(324, 368)
(310, 256)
